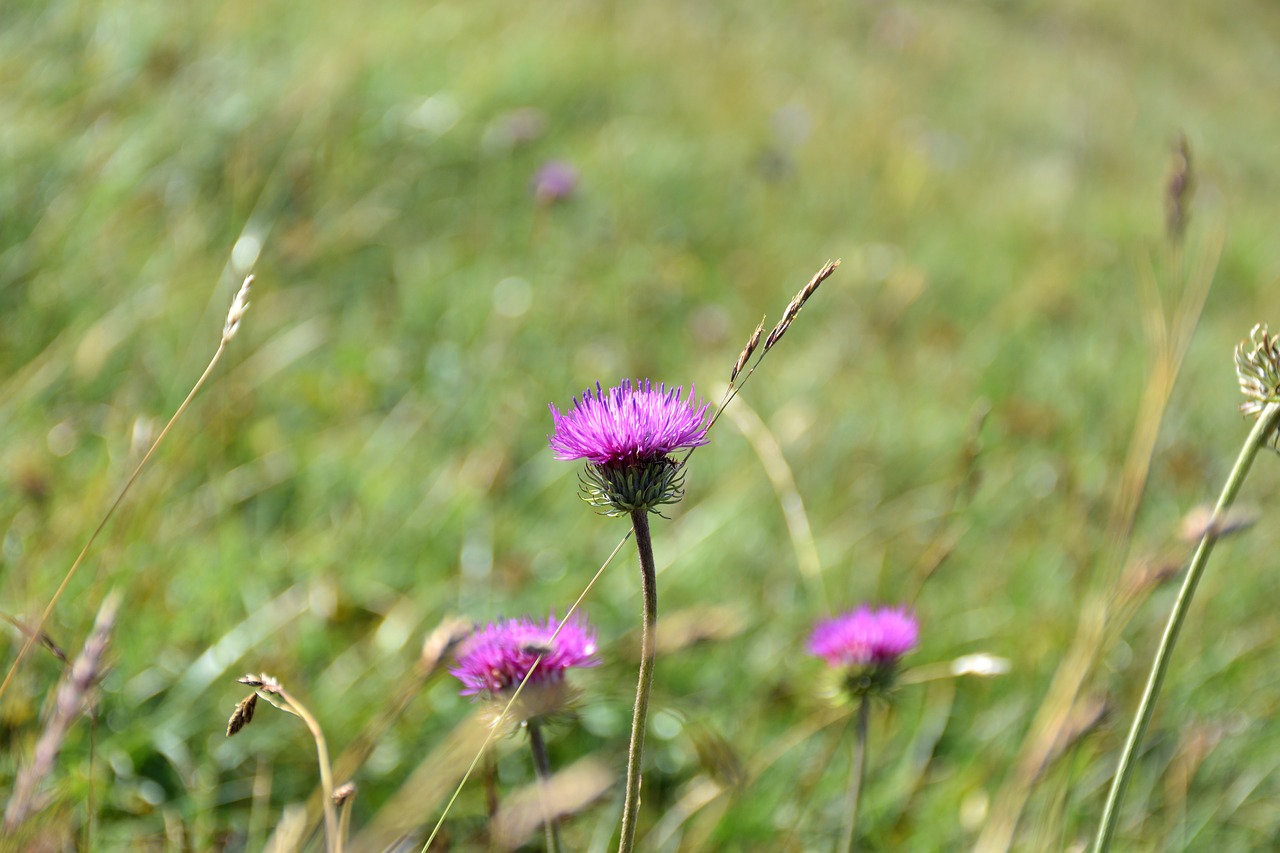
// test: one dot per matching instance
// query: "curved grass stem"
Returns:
(1265, 427)
(334, 836)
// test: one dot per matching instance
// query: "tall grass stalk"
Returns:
(1268, 420)
(232, 324)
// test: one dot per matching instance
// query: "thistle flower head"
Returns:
(627, 435)
(495, 659)
(1258, 369)
(865, 645)
(554, 182)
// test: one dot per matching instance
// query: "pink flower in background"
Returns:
(555, 181)
(865, 637)
(496, 658)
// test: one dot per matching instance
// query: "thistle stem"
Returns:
(1268, 420)
(857, 770)
(542, 767)
(649, 591)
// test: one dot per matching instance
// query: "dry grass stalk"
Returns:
(793, 307)
(72, 696)
(436, 649)
(752, 347)
(273, 691)
(238, 306)
(747, 351)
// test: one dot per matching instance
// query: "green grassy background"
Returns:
(371, 455)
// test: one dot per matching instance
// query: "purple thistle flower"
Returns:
(497, 657)
(627, 435)
(555, 181)
(865, 637)
(630, 424)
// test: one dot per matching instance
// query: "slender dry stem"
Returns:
(229, 329)
(739, 378)
(272, 691)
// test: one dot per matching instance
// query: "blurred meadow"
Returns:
(977, 415)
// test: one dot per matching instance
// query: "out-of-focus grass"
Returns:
(372, 456)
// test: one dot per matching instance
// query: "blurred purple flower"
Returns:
(555, 181)
(628, 425)
(865, 637)
(497, 657)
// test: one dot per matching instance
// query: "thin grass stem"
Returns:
(1267, 422)
(238, 306)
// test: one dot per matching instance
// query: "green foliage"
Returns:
(371, 455)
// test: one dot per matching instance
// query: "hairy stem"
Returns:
(857, 770)
(649, 591)
(1262, 430)
(542, 767)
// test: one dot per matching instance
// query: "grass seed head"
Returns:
(797, 302)
(243, 714)
(239, 305)
(750, 348)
